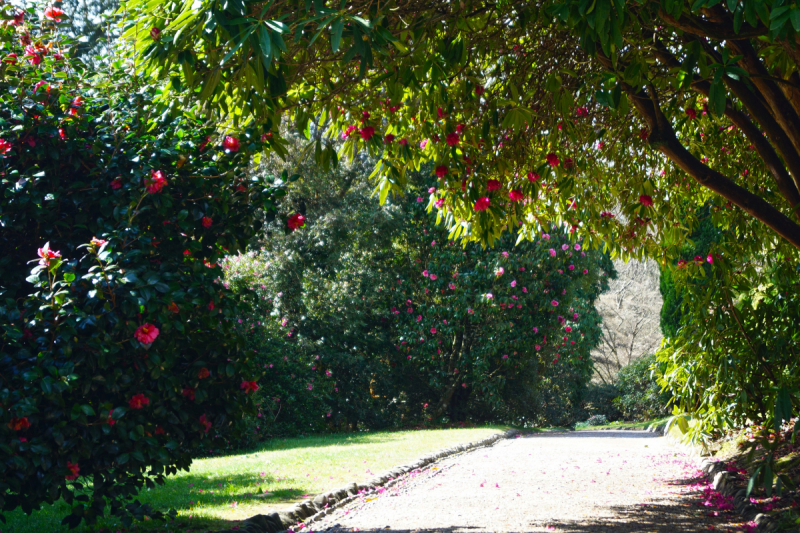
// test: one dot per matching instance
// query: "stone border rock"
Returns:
(719, 479)
(652, 428)
(309, 510)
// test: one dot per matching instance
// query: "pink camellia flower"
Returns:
(367, 132)
(388, 138)
(577, 247)
(207, 222)
(423, 144)
(515, 195)
(205, 423)
(470, 311)
(403, 141)
(97, 242)
(310, 386)
(155, 34)
(571, 267)
(424, 273)
(452, 286)
(146, 333)
(74, 468)
(419, 199)
(500, 271)
(554, 303)
(452, 139)
(710, 258)
(537, 347)
(432, 190)
(646, 200)
(439, 203)
(505, 356)
(296, 221)
(535, 330)
(53, 13)
(482, 204)
(441, 171)
(493, 185)
(433, 277)
(138, 401)
(156, 182)
(230, 143)
(585, 271)
(552, 253)
(553, 160)
(565, 247)
(568, 329)
(46, 255)
(489, 295)
(433, 330)
(248, 386)
(514, 283)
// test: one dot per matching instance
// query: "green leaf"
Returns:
(266, 46)
(336, 36)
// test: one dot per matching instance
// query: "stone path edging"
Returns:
(719, 479)
(310, 510)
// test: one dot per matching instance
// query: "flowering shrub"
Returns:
(120, 312)
(367, 301)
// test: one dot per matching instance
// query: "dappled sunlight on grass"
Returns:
(234, 487)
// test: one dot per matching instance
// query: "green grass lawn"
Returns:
(637, 425)
(220, 490)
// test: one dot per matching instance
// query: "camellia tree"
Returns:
(118, 358)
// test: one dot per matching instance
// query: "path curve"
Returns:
(580, 482)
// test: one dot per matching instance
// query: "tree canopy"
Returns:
(597, 114)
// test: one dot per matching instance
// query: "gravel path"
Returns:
(609, 481)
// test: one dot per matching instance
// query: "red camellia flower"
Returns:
(230, 143)
(207, 222)
(116, 184)
(692, 113)
(367, 132)
(11, 59)
(98, 242)
(646, 200)
(173, 307)
(146, 333)
(248, 386)
(19, 18)
(441, 171)
(5, 146)
(155, 34)
(110, 420)
(18, 424)
(204, 421)
(156, 181)
(493, 185)
(188, 392)
(159, 430)
(75, 469)
(46, 255)
(482, 204)
(533, 176)
(452, 139)
(515, 195)
(138, 401)
(388, 138)
(460, 129)
(296, 221)
(553, 160)
(403, 141)
(203, 373)
(643, 133)
(53, 13)
(479, 90)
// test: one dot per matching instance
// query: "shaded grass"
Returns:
(219, 490)
(620, 424)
